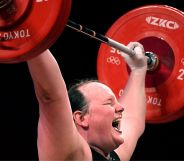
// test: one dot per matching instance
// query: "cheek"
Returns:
(102, 117)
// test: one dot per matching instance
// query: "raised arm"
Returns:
(134, 102)
(58, 138)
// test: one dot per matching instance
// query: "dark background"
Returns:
(76, 54)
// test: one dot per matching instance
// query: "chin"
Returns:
(118, 140)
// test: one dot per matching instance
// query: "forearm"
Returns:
(46, 76)
(134, 98)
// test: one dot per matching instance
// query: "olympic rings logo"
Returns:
(113, 60)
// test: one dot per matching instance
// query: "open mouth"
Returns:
(116, 125)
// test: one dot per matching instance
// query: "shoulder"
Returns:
(81, 152)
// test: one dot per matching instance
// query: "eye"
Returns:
(109, 104)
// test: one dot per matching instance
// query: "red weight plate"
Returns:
(29, 27)
(160, 29)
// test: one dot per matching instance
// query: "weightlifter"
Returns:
(88, 122)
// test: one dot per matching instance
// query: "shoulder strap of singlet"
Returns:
(114, 156)
(98, 157)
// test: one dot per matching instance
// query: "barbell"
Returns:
(27, 28)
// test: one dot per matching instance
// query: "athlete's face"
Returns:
(104, 116)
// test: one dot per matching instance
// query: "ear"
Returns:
(81, 119)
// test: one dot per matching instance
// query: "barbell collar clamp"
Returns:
(153, 61)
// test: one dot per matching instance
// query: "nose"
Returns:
(119, 108)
